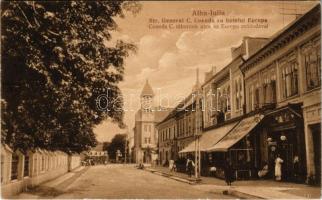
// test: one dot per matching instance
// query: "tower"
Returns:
(147, 98)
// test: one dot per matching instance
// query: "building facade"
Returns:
(178, 129)
(223, 92)
(265, 103)
(167, 147)
(286, 74)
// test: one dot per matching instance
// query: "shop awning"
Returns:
(209, 138)
(237, 133)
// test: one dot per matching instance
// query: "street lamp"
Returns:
(283, 138)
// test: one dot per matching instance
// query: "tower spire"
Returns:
(197, 85)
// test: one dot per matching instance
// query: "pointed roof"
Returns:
(197, 85)
(147, 90)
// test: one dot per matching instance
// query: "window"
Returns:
(289, 79)
(228, 99)
(250, 98)
(256, 99)
(237, 95)
(273, 86)
(147, 140)
(312, 65)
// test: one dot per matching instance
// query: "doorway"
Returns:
(316, 135)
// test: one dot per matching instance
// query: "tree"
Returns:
(117, 143)
(106, 145)
(56, 61)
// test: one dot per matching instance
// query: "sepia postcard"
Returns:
(160, 99)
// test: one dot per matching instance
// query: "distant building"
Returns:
(97, 155)
(145, 133)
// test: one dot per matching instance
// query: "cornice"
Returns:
(290, 33)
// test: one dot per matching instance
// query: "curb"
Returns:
(171, 176)
(241, 195)
(231, 192)
(183, 180)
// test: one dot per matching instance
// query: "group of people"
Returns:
(189, 166)
(228, 169)
(278, 165)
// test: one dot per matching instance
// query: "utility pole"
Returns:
(197, 129)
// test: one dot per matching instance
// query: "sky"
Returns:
(168, 58)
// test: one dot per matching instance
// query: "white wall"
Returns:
(43, 166)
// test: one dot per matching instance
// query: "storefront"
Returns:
(207, 140)
(286, 139)
(240, 147)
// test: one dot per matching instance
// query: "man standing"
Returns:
(190, 166)
(228, 172)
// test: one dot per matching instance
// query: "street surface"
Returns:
(118, 181)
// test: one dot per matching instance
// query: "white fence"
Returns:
(21, 170)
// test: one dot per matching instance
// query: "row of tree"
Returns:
(55, 63)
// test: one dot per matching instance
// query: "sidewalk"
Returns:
(265, 189)
(54, 187)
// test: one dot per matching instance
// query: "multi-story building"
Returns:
(224, 91)
(223, 104)
(178, 129)
(286, 73)
(145, 132)
(265, 102)
(167, 134)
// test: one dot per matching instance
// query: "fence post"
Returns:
(21, 163)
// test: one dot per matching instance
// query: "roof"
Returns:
(147, 90)
(161, 114)
(99, 147)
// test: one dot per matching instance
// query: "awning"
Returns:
(209, 138)
(236, 134)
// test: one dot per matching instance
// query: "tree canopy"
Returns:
(56, 61)
(118, 143)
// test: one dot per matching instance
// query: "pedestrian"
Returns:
(171, 165)
(228, 172)
(190, 166)
(278, 168)
(296, 168)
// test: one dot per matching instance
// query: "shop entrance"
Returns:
(316, 134)
(282, 144)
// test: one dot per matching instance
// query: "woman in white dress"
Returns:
(278, 168)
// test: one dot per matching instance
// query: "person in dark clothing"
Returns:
(228, 172)
(190, 165)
